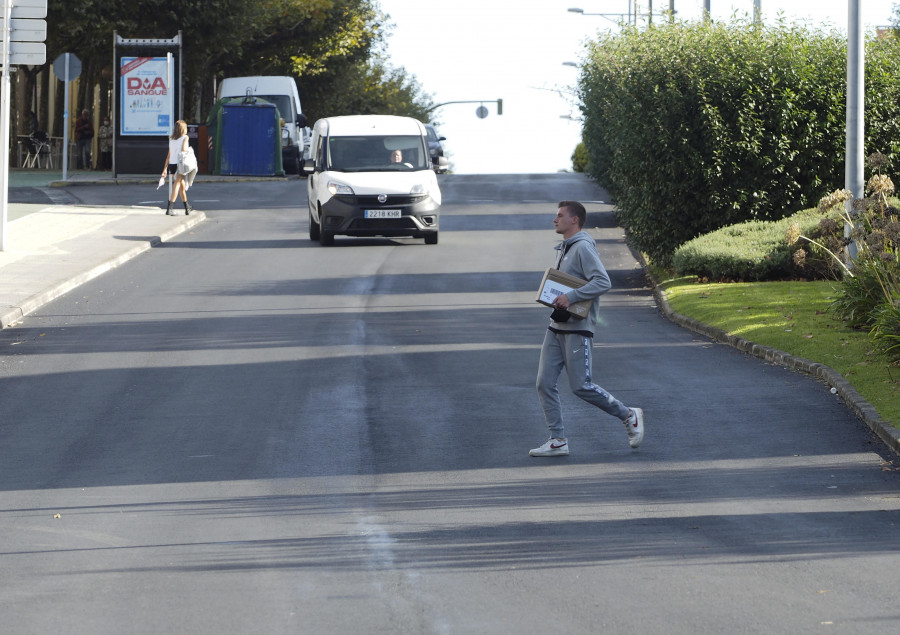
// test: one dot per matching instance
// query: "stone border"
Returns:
(863, 409)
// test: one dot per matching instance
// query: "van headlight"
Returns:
(336, 188)
(418, 190)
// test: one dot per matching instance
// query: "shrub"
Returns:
(886, 326)
(697, 126)
(755, 250)
(870, 293)
(580, 158)
(860, 296)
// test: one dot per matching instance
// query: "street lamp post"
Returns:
(632, 12)
(855, 100)
(855, 136)
(608, 16)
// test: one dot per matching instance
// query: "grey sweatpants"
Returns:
(572, 352)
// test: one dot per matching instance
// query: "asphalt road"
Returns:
(241, 431)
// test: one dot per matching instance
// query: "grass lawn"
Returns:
(793, 317)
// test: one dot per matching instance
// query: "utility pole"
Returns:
(853, 170)
(757, 12)
(22, 35)
(4, 121)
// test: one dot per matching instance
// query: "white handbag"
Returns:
(187, 161)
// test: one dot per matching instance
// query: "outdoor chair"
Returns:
(39, 145)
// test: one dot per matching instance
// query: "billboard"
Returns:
(147, 104)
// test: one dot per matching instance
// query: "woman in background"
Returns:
(105, 133)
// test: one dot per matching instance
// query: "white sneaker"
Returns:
(634, 426)
(553, 447)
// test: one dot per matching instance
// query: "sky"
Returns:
(462, 50)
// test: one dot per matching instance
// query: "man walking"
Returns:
(568, 341)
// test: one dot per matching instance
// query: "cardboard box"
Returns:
(554, 284)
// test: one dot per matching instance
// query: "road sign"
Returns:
(25, 30)
(59, 67)
(67, 68)
(481, 112)
(27, 53)
(30, 9)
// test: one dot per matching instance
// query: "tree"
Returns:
(342, 68)
(365, 87)
(315, 40)
(580, 158)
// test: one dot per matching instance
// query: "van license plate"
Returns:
(382, 213)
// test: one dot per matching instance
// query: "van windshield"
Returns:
(373, 153)
(283, 104)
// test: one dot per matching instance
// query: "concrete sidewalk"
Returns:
(51, 249)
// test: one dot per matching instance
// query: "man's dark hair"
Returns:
(576, 209)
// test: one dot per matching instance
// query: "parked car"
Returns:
(371, 175)
(435, 149)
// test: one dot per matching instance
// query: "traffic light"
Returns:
(499, 106)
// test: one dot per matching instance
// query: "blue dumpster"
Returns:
(248, 139)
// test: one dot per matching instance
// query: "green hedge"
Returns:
(696, 126)
(580, 158)
(750, 251)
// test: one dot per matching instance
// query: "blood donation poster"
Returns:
(147, 103)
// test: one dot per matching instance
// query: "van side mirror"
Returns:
(301, 120)
(309, 166)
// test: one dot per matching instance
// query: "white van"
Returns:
(282, 91)
(371, 175)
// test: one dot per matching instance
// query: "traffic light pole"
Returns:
(499, 103)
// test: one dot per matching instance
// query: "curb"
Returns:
(152, 180)
(13, 315)
(887, 433)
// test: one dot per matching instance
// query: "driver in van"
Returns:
(397, 157)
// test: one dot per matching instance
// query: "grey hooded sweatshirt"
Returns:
(580, 258)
